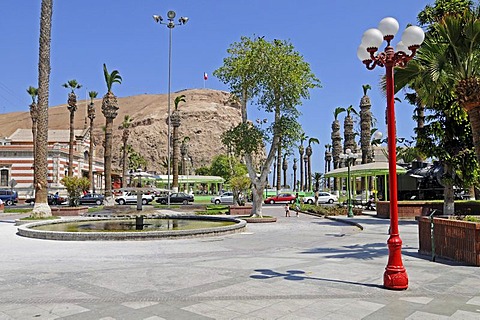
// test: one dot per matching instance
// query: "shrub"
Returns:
(75, 186)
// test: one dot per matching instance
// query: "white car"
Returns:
(226, 197)
(131, 198)
(323, 197)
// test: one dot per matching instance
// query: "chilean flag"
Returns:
(205, 76)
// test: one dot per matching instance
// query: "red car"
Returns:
(282, 197)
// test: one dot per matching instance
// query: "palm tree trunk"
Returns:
(309, 174)
(41, 208)
(108, 157)
(90, 159)
(175, 158)
(301, 170)
(279, 166)
(124, 165)
(70, 144)
(474, 116)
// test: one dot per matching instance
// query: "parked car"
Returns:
(176, 197)
(92, 198)
(323, 197)
(8, 197)
(226, 197)
(51, 199)
(131, 198)
(282, 197)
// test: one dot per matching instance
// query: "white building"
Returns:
(16, 160)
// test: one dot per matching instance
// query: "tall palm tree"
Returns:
(91, 116)
(336, 143)
(317, 177)
(175, 122)
(41, 207)
(301, 150)
(462, 33)
(328, 160)
(285, 168)
(109, 110)
(348, 133)
(72, 107)
(33, 92)
(184, 157)
(125, 126)
(365, 125)
(294, 174)
(309, 152)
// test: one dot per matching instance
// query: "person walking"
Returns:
(297, 203)
(287, 210)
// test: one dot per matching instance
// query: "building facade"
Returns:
(16, 161)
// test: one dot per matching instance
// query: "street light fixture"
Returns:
(349, 158)
(170, 25)
(395, 276)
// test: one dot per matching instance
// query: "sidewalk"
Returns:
(297, 268)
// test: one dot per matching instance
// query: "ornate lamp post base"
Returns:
(395, 276)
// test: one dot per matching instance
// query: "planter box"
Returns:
(69, 211)
(240, 210)
(454, 239)
(412, 209)
(408, 209)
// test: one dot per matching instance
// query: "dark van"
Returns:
(8, 197)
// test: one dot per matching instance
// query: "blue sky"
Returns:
(123, 34)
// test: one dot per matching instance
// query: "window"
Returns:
(4, 177)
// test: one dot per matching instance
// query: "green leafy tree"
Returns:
(275, 77)
(75, 187)
(240, 185)
(203, 171)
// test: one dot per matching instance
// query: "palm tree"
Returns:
(72, 107)
(328, 160)
(285, 168)
(294, 174)
(41, 207)
(462, 33)
(91, 116)
(301, 150)
(309, 153)
(125, 126)
(33, 92)
(348, 132)
(279, 164)
(175, 122)
(317, 177)
(365, 125)
(109, 110)
(336, 142)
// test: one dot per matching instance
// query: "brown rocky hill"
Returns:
(205, 115)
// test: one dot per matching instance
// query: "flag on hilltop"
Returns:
(205, 76)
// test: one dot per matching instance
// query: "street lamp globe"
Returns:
(413, 36)
(388, 27)
(372, 38)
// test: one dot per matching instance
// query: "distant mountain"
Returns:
(205, 115)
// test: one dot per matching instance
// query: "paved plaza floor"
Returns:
(297, 268)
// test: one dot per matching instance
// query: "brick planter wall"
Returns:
(69, 211)
(240, 210)
(411, 209)
(454, 239)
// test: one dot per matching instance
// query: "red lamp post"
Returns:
(395, 276)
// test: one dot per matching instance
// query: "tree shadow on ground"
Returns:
(363, 252)
(300, 275)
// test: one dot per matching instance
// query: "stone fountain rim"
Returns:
(26, 231)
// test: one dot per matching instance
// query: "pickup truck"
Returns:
(131, 198)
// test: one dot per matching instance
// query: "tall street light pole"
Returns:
(395, 276)
(170, 25)
(348, 156)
